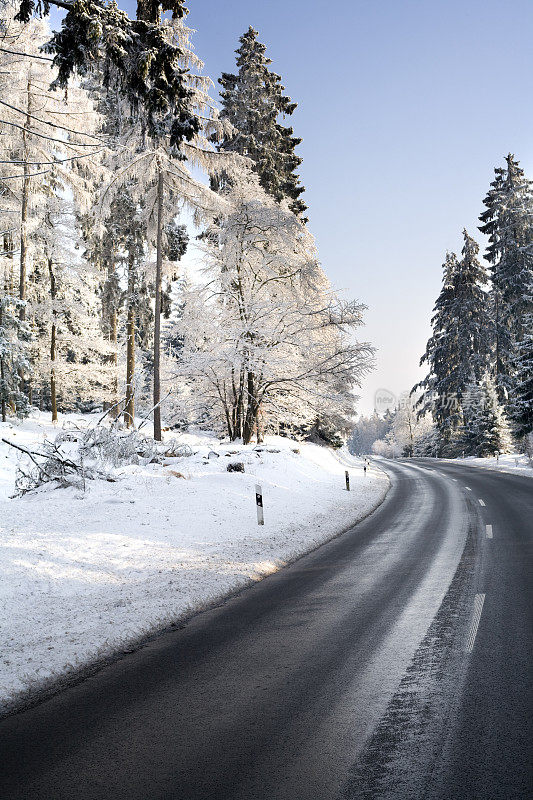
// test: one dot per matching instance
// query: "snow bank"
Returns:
(513, 463)
(84, 575)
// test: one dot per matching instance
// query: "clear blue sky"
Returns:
(405, 107)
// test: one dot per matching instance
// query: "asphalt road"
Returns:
(358, 672)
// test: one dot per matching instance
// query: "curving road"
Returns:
(392, 662)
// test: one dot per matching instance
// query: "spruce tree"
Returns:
(521, 406)
(508, 222)
(252, 101)
(470, 311)
(486, 429)
(14, 365)
(149, 161)
(177, 242)
(138, 58)
(123, 242)
(458, 351)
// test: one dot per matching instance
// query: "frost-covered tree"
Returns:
(44, 134)
(485, 430)
(71, 358)
(266, 333)
(135, 56)
(459, 348)
(508, 222)
(367, 430)
(253, 101)
(520, 405)
(124, 248)
(407, 432)
(408, 428)
(427, 445)
(157, 171)
(14, 365)
(386, 448)
(521, 398)
(177, 238)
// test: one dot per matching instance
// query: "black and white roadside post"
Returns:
(259, 504)
(364, 469)
(347, 476)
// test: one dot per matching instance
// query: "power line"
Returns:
(31, 175)
(51, 124)
(28, 55)
(56, 161)
(43, 136)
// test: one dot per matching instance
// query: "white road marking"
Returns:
(478, 608)
(481, 503)
(488, 528)
(454, 479)
(468, 488)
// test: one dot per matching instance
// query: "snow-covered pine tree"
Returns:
(441, 359)
(521, 397)
(460, 345)
(43, 132)
(158, 167)
(471, 312)
(135, 56)
(72, 361)
(407, 427)
(177, 238)
(472, 425)
(14, 364)
(253, 101)
(508, 222)
(123, 244)
(486, 430)
(367, 430)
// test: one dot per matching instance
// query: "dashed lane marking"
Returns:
(468, 488)
(488, 529)
(481, 502)
(478, 608)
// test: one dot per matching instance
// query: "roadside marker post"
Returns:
(259, 505)
(347, 476)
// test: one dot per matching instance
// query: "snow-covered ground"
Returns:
(83, 575)
(514, 463)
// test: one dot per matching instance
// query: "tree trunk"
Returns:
(2, 373)
(9, 246)
(238, 407)
(157, 314)
(24, 207)
(259, 424)
(53, 293)
(251, 410)
(113, 338)
(499, 369)
(129, 408)
(2, 376)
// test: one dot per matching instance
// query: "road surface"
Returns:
(392, 662)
